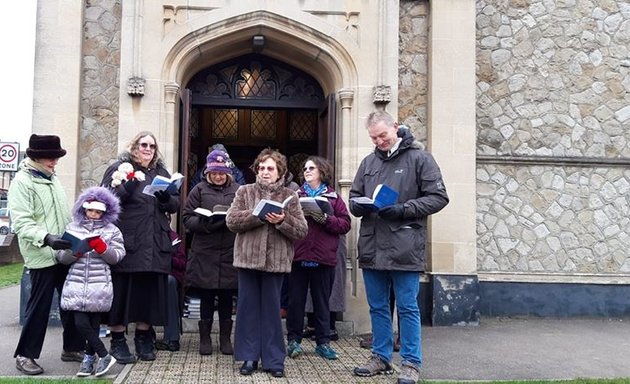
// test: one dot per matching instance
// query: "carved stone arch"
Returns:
(325, 58)
(255, 79)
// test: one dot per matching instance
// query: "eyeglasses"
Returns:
(147, 145)
(311, 168)
(269, 168)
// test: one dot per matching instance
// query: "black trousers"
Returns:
(258, 332)
(320, 280)
(225, 301)
(173, 325)
(284, 297)
(89, 324)
(44, 282)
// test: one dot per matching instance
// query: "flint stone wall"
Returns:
(412, 66)
(553, 82)
(99, 96)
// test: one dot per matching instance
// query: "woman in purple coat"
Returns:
(316, 257)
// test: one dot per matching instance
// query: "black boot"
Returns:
(120, 350)
(144, 346)
(225, 331)
(205, 341)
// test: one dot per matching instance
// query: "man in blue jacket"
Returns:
(391, 245)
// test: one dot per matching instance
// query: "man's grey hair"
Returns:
(380, 116)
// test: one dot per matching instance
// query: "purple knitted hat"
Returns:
(216, 162)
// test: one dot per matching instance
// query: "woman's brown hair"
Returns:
(228, 181)
(134, 144)
(275, 155)
(324, 167)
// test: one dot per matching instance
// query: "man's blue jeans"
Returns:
(406, 288)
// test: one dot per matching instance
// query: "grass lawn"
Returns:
(28, 380)
(10, 274)
(576, 381)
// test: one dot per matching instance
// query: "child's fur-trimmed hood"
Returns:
(99, 194)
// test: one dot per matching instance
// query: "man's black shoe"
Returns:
(248, 367)
(72, 356)
(164, 345)
(27, 365)
(275, 372)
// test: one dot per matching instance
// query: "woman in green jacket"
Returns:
(39, 213)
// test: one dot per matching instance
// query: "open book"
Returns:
(318, 204)
(79, 244)
(382, 197)
(266, 206)
(161, 183)
(219, 212)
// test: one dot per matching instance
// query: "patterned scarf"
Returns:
(310, 192)
(37, 169)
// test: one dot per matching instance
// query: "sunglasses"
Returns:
(147, 145)
(311, 168)
(269, 168)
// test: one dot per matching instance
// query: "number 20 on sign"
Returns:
(9, 156)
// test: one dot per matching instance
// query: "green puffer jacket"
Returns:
(38, 206)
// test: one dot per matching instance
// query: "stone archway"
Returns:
(298, 45)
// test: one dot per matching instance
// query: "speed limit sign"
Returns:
(9, 156)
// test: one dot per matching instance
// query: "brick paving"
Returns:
(187, 366)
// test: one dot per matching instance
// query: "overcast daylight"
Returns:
(17, 36)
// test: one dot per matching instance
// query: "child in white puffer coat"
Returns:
(87, 292)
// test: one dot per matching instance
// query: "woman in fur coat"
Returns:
(263, 252)
(87, 291)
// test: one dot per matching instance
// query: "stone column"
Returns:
(169, 133)
(348, 142)
(356, 308)
(451, 139)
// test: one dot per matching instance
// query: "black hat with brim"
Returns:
(44, 147)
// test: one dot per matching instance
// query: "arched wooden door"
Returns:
(253, 102)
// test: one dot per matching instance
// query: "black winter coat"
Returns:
(399, 245)
(143, 221)
(212, 250)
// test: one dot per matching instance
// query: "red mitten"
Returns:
(98, 245)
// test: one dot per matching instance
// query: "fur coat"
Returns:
(259, 244)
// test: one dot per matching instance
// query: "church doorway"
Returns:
(250, 103)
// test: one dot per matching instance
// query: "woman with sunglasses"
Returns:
(263, 252)
(140, 281)
(315, 258)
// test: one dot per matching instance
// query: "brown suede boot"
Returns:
(225, 331)
(205, 341)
